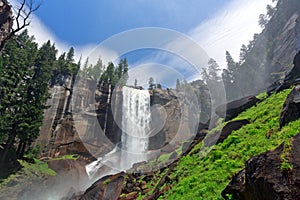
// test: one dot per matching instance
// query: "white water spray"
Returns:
(136, 117)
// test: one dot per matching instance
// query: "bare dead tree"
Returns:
(22, 18)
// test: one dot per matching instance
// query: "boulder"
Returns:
(291, 107)
(234, 108)
(220, 136)
(295, 72)
(108, 187)
(264, 179)
(285, 85)
(231, 126)
(72, 168)
(236, 186)
(273, 87)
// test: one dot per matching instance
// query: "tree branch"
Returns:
(27, 7)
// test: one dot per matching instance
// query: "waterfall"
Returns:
(135, 125)
(136, 117)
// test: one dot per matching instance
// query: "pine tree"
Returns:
(178, 84)
(151, 83)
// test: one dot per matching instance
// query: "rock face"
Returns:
(67, 141)
(108, 187)
(263, 178)
(295, 72)
(234, 108)
(6, 21)
(291, 107)
(166, 116)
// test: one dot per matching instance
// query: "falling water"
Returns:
(133, 148)
(135, 125)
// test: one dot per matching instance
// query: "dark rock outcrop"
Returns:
(231, 126)
(295, 72)
(234, 108)
(108, 187)
(264, 179)
(218, 137)
(291, 107)
(236, 186)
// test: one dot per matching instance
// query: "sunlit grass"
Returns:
(206, 178)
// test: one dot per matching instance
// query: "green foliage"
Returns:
(67, 157)
(117, 76)
(33, 152)
(25, 74)
(262, 95)
(151, 83)
(205, 177)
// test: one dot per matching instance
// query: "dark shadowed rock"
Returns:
(264, 178)
(291, 107)
(236, 186)
(6, 21)
(231, 126)
(218, 137)
(107, 188)
(273, 87)
(295, 72)
(234, 108)
(285, 85)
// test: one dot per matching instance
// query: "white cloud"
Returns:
(234, 25)
(43, 34)
(228, 29)
(231, 27)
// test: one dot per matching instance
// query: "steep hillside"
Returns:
(205, 171)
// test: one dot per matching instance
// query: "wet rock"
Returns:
(264, 179)
(108, 187)
(234, 108)
(73, 168)
(291, 107)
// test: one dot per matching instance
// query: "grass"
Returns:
(67, 157)
(205, 178)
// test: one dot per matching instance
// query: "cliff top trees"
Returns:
(115, 75)
(25, 74)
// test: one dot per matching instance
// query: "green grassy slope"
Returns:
(205, 178)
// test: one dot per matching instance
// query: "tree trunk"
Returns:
(9, 143)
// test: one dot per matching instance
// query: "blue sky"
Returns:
(215, 25)
(83, 22)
